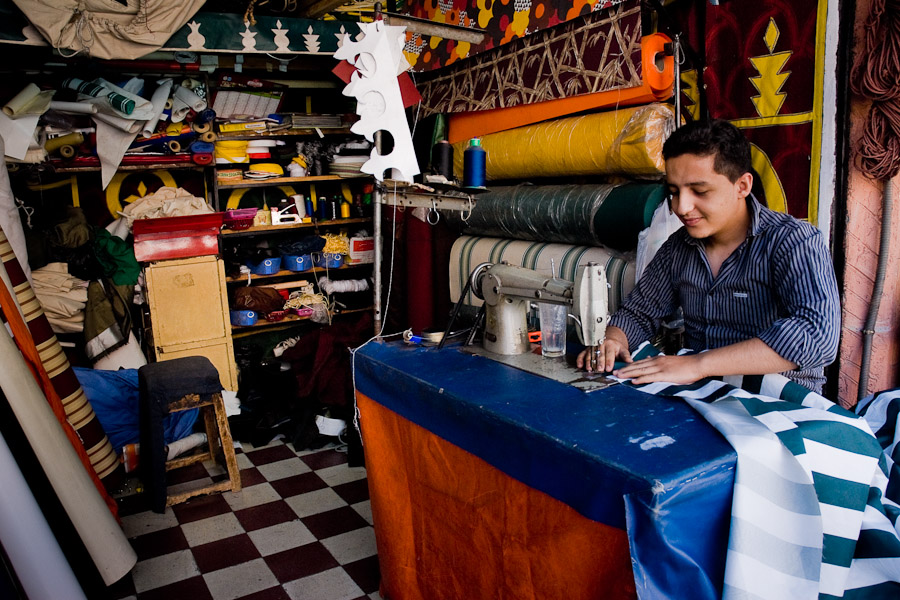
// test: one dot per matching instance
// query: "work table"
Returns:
(629, 460)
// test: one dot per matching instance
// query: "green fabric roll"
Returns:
(609, 215)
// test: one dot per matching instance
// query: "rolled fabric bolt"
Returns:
(158, 100)
(209, 136)
(168, 104)
(201, 147)
(21, 100)
(205, 116)
(73, 107)
(201, 127)
(202, 158)
(189, 98)
(71, 139)
(66, 151)
(174, 145)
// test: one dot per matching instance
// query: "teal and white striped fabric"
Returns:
(814, 514)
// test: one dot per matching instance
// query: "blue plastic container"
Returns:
(243, 318)
(330, 260)
(268, 266)
(293, 262)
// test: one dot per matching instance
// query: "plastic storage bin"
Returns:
(267, 266)
(293, 262)
(243, 318)
(330, 260)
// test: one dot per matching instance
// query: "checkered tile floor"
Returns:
(300, 529)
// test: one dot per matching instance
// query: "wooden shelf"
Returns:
(304, 131)
(275, 228)
(241, 331)
(286, 273)
(276, 181)
(141, 167)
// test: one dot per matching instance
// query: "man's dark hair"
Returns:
(715, 138)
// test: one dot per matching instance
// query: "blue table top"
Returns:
(586, 449)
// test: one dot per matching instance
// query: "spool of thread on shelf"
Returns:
(310, 209)
(442, 159)
(474, 164)
(345, 210)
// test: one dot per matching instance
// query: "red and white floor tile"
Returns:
(301, 529)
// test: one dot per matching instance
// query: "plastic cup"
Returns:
(553, 329)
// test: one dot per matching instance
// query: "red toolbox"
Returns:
(177, 237)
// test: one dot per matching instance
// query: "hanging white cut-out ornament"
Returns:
(248, 38)
(311, 40)
(282, 42)
(379, 103)
(196, 39)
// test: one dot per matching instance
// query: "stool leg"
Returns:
(212, 431)
(234, 473)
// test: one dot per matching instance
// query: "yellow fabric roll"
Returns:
(625, 142)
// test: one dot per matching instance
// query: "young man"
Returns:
(757, 287)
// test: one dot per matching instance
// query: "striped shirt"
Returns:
(778, 286)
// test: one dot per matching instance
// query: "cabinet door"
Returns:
(220, 354)
(186, 301)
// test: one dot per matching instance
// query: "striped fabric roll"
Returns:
(470, 251)
(811, 514)
(79, 412)
(119, 102)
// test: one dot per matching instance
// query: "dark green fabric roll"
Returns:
(609, 215)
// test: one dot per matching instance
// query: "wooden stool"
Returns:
(213, 412)
(173, 386)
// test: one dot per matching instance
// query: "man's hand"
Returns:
(615, 346)
(671, 369)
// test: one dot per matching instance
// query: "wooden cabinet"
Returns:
(189, 312)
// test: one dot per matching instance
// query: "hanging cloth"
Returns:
(107, 29)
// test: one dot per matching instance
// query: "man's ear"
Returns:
(744, 185)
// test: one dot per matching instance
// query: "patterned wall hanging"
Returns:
(503, 20)
(765, 74)
(217, 32)
(596, 53)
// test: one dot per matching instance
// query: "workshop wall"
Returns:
(863, 226)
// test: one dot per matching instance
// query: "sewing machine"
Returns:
(507, 292)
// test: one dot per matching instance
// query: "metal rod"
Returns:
(379, 254)
(676, 47)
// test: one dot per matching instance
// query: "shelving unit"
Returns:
(276, 181)
(257, 229)
(285, 273)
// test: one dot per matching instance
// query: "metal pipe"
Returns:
(872, 316)
(377, 200)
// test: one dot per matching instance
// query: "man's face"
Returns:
(708, 203)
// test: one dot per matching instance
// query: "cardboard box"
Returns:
(362, 250)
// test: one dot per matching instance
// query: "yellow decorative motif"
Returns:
(770, 79)
(775, 197)
(690, 91)
(115, 204)
(771, 35)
